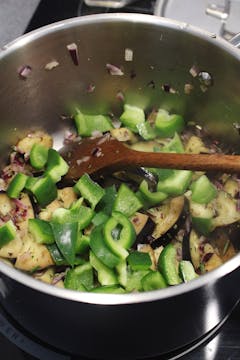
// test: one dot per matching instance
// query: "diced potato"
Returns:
(123, 134)
(33, 256)
(22, 221)
(12, 249)
(226, 208)
(37, 137)
(195, 145)
(47, 276)
(231, 187)
(6, 204)
(66, 197)
(214, 262)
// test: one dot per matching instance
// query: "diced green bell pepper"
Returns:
(100, 218)
(106, 203)
(41, 231)
(138, 260)
(202, 225)
(38, 156)
(7, 233)
(187, 271)
(44, 190)
(203, 190)
(122, 272)
(175, 184)
(31, 181)
(87, 124)
(89, 190)
(175, 145)
(146, 131)
(56, 166)
(126, 201)
(152, 198)
(66, 234)
(167, 125)
(132, 116)
(126, 238)
(79, 278)
(153, 281)
(134, 280)
(16, 185)
(109, 289)
(56, 255)
(101, 250)
(168, 266)
(80, 213)
(83, 243)
(106, 276)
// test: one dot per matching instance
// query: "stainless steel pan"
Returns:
(138, 324)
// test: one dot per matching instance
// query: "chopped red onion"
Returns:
(194, 71)
(83, 159)
(168, 88)
(58, 277)
(207, 257)
(188, 88)
(24, 71)
(96, 134)
(114, 70)
(51, 65)
(120, 96)
(90, 88)
(205, 78)
(73, 51)
(128, 54)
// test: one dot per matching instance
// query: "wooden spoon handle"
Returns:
(204, 162)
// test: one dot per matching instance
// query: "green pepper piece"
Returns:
(106, 276)
(203, 225)
(175, 184)
(106, 203)
(167, 125)
(132, 116)
(41, 231)
(81, 213)
(126, 201)
(31, 181)
(65, 235)
(56, 165)
(122, 272)
(101, 250)
(187, 271)
(203, 191)
(139, 260)
(134, 280)
(7, 233)
(146, 131)
(89, 190)
(16, 185)
(79, 278)
(56, 255)
(38, 156)
(153, 281)
(100, 218)
(126, 238)
(109, 289)
(83, 243)
(175, 145)
(167, 264)
(87, 124)
(44, 190)
(153, 198)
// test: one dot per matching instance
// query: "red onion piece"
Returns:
(51, 65)
(194, 71)
(90, 88)
(120, 96)
(128, 54)
(24, 71)
(114, 70)
(73, 51)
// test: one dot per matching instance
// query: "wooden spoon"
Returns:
(105, 153)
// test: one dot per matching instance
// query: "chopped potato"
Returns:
(25, 145)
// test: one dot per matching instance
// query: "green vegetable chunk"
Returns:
(146, 131)
(106, 276)
(203, 191)
(132, 116)
(153, 198)
(8, 233)
(126, 236)
(176, 183)
(56, 166)
(109, 289)
(38, 156)
(80, 278)
(44, 190)
(89, 190)
(167, 125)
(126, 201)
(153, 281)
(87, 124)
(16, 185)
(175, 145)
(41, 231)
(167, 264)
(187, 271)
(139, 260)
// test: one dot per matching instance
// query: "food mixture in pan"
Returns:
(131, 231)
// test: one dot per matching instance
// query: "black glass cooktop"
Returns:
(15, 343)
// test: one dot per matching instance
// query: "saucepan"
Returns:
(134, 325)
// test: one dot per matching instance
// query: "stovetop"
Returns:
(15, 343)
